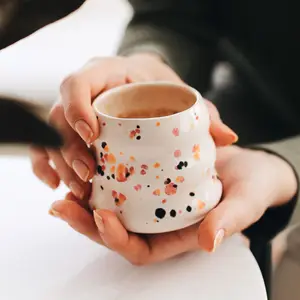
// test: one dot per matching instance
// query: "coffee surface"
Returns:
(147, 113)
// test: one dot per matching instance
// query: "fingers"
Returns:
(139, 250)
(79, 90)
(41, 168)
(233, 215)
(75, 151)
(68, 176)
(77, 217)
(221, 133)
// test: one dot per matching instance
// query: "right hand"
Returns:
(75, 119)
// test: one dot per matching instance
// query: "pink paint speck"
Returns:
(145, 167)
(177, 153)
(143, 172)
(180, 212)
(175, 131)
(138, 187)
(103, 124)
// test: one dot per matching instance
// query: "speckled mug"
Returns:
(157, 172)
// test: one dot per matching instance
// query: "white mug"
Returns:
(155, 157)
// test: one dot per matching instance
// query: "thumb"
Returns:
(231, 216)
(220, 132)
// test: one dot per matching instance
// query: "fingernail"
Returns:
(50, 184)
(81, 169)
(84, 130)
(218, 239)
(99, 222)
(76, 189)
(233, 136)
(54, 213)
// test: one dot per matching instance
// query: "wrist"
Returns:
(285, 176)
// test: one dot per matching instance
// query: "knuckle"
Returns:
(55, 113)
(70, 82)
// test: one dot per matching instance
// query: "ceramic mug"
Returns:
(155, 157)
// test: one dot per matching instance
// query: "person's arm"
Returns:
(173, 30)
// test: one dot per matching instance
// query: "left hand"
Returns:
(252, 180)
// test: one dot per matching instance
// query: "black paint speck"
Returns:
(173, 213)
(179, 167)
(102, 188)
(162, 170)
(127, 174)
(100, 171)
(167, 181)
(192, 194)
(108, 178)
(113, 176)
(148, 185)
(185, 163)
(116, 200)
(103, 145)
(188, 209)
(160, 213)
(101, 154)
(138, 137)
(138, 127)
(175, 186)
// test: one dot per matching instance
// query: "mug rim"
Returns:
(148, 83)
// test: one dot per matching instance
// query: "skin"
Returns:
(242, 171)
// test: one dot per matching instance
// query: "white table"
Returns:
(41, 258)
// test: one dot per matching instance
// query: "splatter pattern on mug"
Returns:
(135, 133)
(119, 198)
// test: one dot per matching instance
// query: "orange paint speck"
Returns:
(180, 179)
(164, 201)
(196, 156)
(157, 124)
(200, 204)
(156, 165)
(157, 177)
(106, 149)
(132, 158)
(196, 148)
(156, 192)
(121, 153)
(112, 169)
(111, 159)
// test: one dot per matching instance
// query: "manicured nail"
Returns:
(81, 169)
(99, 222)
(76, 189)
(84, 130)
(218, 239)
(54, 213)
(50, 184)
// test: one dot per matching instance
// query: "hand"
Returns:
(253, 181)
(75, 119)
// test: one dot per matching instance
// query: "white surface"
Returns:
(34, 67)
(41, 257)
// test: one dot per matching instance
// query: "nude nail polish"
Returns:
(84, 130)
(99, 222)
(218, 239)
